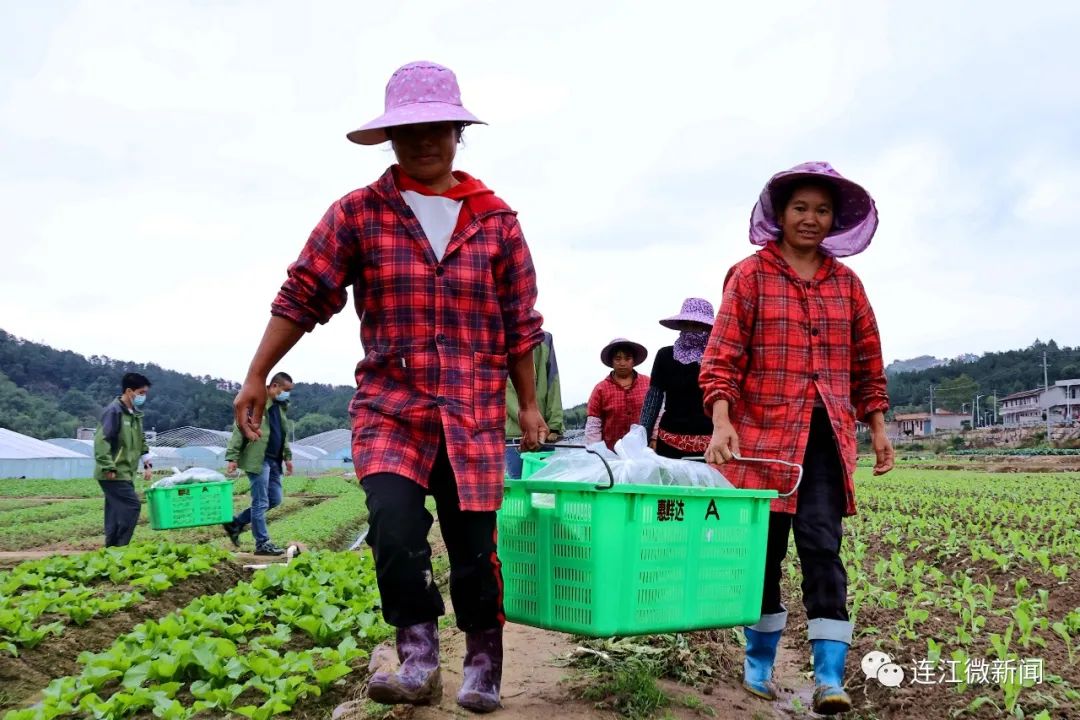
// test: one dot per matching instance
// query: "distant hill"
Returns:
(46, 393)
(958, 381)
(923, 362)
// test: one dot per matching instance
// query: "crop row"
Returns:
(255, 650)
(970, 567)
(39, 598)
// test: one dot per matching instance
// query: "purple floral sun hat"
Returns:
(695, 313)
(855, 216)
(420, 92)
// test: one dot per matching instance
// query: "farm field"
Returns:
(67, 515)
(966, 579)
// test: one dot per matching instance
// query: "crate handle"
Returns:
(743, 458)
(586, 448)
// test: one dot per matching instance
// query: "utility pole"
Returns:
(1046, 396)
(931, 409)
(995, 406)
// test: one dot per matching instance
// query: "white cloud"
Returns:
(168, 161)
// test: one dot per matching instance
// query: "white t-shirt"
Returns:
(438, 217)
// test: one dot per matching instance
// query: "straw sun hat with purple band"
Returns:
(854, 218)
(696, 314)
(420, 92)
(636, 349)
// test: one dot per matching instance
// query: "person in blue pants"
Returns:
(262, 460)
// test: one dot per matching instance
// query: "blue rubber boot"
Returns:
(830, 657)
(758, 665)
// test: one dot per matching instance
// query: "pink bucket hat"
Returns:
(695, 313)
(855, 217)
(420, 92)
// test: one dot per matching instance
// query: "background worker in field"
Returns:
(119, 449)
(616, 401)
(673, 386)
(262, 460)
(793, 359)
(444, 285)
(548, 398)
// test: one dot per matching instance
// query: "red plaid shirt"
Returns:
(777, 344)
(617, 407)
(437, 334)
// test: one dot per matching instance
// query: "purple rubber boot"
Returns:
(417, 680)
(482, 673)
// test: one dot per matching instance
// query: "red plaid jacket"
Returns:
(617, 407)
(778, 342)
(437, 335)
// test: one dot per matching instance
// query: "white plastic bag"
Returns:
(633, 462)
(191, 475)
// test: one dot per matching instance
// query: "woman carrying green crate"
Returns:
(793, 360)
(445, 289)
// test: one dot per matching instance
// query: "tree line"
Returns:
(46, 393)
(994, 374)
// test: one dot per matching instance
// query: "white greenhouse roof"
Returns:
(330, 441)
(15, 446)
(188, 436)
(83, 447)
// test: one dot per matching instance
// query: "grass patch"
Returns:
(629, 689)
(621, 673)
(85, 488)
(693, 702)
(692, 659)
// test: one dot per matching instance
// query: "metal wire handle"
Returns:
(698, 458)
(557, 446)
(742, 458)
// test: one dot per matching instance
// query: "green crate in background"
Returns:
(533, 461)
(190, 505)
(634, 559)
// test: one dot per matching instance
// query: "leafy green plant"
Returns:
(221, 647)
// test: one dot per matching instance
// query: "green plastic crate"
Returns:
(191, 505)
(634, 559)
(533, 461)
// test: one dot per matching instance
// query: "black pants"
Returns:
(399, 525)
(122, 507)
(818, 530)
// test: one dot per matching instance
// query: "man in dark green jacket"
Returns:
(119, 448)
(548, 397)
(261, 459)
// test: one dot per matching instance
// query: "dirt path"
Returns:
(539, 685)
(532, 677)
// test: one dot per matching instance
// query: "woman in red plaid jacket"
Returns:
(444, 286)
(793, 359)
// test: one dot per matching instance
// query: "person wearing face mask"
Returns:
(119, 449)
(445, 291)
(683, 429)
(616, 401)
(262, 459)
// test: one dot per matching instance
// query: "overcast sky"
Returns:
(162, 163)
